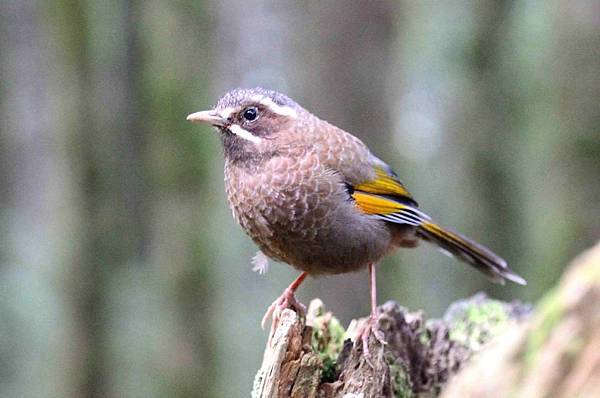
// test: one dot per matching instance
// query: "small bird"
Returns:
(314, 196)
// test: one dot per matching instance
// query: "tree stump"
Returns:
(505, 350)
(555, 354)
(319, 359)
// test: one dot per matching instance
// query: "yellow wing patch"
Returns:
(388, 209)
(384, 184)
(373, 204)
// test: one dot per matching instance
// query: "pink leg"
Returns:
(287, 299)
(371, 325)
(373, 277)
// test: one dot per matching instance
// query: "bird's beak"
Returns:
(208, 117)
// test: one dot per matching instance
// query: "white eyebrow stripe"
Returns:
(245, 134)
(282, 110)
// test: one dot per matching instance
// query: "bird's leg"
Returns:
(371, 325)
(287, 299)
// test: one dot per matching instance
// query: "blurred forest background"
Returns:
(122, 272)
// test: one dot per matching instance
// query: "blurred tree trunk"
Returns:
(175, 81)
(488, 139)
(488, 133)
(39, 211)
(109, 150)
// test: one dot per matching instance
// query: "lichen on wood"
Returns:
(480, 348)
(319, 359)
(554, 354)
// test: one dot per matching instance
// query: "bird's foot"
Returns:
(365, 331)
(286, 300)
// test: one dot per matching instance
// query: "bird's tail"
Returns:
(469, 251)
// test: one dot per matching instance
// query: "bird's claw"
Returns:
(286, 300)
(363, 335)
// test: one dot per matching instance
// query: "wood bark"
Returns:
(555, 354)
(319, 359)
(480, 348)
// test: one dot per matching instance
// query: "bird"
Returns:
(314, 196)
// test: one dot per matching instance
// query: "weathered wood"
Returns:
(556, 354)
(290, 368)
(552, 353)
(320, 360)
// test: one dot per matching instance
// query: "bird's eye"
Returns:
(250, 114)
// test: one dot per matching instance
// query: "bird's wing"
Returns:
(388, 208)
(386, 198)
(386, 182)
(371, 182)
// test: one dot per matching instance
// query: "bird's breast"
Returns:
(283, 197)
(299, 212)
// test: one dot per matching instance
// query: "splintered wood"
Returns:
(319, 359)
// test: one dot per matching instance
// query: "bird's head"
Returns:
(249, 118)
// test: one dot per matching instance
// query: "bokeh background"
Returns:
(122, 272)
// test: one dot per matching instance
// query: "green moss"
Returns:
(425, 335)
(327, 342)
(474, 322)
(549, 312)
(328, 370)
(401, 381)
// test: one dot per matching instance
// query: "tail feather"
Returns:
(469, 251)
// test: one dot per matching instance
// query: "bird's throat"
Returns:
(242, 152)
